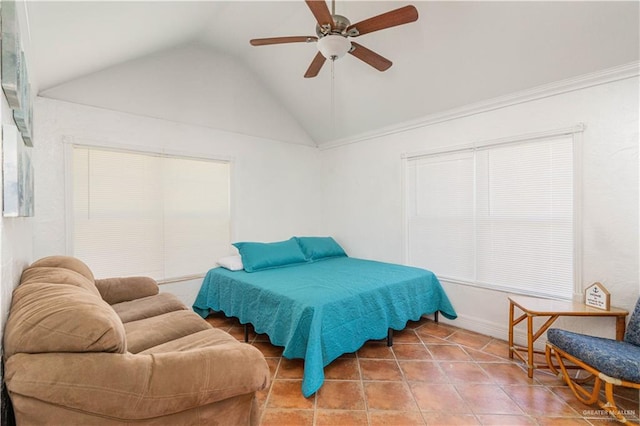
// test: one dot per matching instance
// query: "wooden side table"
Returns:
(553, 309)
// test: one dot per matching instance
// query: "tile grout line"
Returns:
(406, 382)
(364, 394)
(486, 356)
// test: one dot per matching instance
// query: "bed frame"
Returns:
(436, 318)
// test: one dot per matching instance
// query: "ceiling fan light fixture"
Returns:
(334, 46)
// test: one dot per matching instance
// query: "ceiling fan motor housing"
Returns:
(340, 27)
(333, 42)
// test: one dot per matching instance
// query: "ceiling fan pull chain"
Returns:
(333, 98)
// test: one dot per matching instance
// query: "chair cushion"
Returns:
(632, 334)
(614, 358)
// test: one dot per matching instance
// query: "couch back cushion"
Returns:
(55, 317)
(66, 262)
(49, 274)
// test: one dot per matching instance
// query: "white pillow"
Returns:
(232, 263)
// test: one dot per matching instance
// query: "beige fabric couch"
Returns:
(113, 351)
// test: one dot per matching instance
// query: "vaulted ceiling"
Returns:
(456, 54)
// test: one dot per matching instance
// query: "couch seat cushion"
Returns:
(148, 332)
(147, 307)
(201, 339)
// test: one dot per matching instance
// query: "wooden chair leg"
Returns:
(578, 390)
(548, 355)
(593, 397)
(554, 368)
(611, 407)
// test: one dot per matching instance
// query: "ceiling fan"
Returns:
(334, 33)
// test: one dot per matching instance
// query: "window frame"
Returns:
(70, 142)
(575, 132)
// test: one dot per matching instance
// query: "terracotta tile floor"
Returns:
(434, 374)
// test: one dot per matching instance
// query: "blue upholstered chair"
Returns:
(616, 363)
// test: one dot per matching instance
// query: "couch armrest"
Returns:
(116, 290)
(127, 386)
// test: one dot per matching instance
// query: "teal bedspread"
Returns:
(319, 311)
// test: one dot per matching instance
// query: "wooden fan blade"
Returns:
(404, 15)
(370, 57)
(321, 12)
(280, 40)
(315, 66)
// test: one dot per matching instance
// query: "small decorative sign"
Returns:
(597, 296)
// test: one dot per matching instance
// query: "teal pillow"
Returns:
(259, 256)
(316, 248)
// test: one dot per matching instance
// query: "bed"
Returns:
(319, 309)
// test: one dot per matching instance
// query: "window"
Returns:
(161, 216)
(497, 215)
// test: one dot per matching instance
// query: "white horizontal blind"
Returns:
(143, 214)
(441, 214)
(499, 216)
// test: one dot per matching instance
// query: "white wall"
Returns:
(15, 233)
(167, 101)
(354, 191)
(363, 186)
(191, 84)
(15, 243)
(273, 183)
(280, 186)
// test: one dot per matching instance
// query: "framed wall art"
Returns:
(17, 173)
(15, 78)
(10, 54)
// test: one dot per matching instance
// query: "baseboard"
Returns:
(493, 329)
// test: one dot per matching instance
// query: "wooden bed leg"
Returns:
(436, 315)
(246, 333)
(390, 337)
